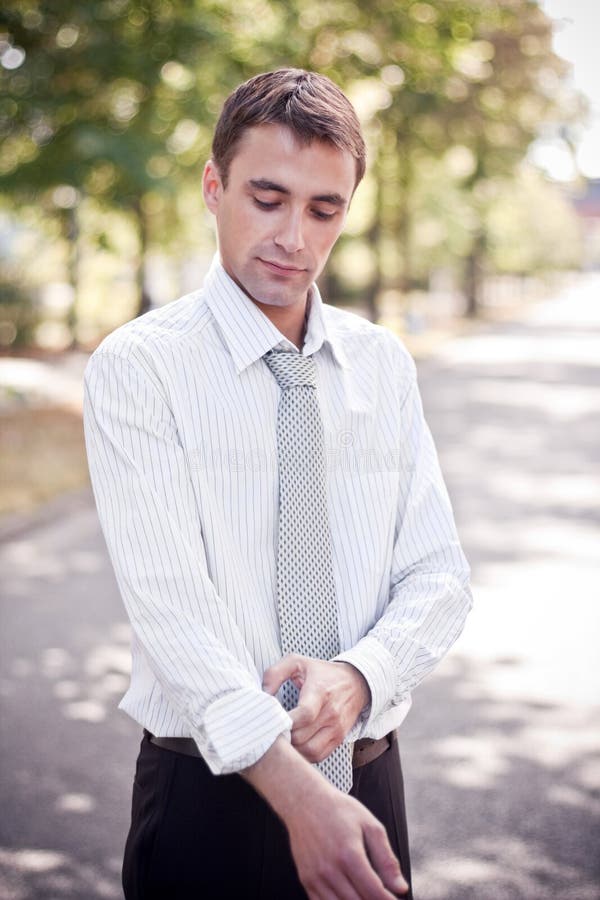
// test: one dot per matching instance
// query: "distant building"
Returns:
(586, 201)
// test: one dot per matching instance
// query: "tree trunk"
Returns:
(405, 248)
(374, 288)
(71, 230)
(373, 236)
(144, 298)
(403, 223)
(328, 285)
(474, 274)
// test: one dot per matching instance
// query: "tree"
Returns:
(476, 79)
(106, 99)
(116, 101)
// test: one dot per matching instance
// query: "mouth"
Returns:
(280, 269)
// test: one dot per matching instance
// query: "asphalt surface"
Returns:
(500, 750)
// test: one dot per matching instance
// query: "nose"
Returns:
(289, 234)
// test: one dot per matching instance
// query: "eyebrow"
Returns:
(263, 184)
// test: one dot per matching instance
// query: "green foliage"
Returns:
(109, 98)
(531, 227)
(18, 316)
(116, 100)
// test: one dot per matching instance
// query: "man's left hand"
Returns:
(332, 695)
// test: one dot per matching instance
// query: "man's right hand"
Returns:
(340, 849)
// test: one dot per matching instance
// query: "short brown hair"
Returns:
(311, 105)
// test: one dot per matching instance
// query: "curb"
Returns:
(13, 525)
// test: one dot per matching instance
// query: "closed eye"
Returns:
(274, 204)
(319, 214)
(263, 204)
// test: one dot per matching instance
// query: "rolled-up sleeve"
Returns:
(151, 523)
(429, 594)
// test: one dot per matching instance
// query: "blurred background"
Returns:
(475, 236)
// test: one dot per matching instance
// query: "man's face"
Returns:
(281, 213)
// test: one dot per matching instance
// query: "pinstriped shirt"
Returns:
(180, 420)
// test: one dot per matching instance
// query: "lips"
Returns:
(279, 268)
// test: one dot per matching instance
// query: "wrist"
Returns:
(285, 779)
(361, 685)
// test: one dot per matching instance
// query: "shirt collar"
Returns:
(249, 334)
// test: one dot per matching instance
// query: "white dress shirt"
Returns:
(180, 420)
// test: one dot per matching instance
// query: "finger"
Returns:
(344, 889)
(310, 703)
(319, 746)
(384, 860)
(333, 887)
(324, 737)
(365, 881)
(301, 735)
(287, 667)
(326, 893)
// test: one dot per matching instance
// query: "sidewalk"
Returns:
(42, 453)
(500, 750)
(52, 381)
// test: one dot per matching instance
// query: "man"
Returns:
(280, 532)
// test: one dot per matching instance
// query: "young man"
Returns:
(281, 535)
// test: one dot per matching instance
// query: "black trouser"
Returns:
(197, 836)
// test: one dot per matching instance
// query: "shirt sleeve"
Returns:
(150, 519)
(429, 594)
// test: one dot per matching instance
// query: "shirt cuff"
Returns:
(376, 665)
(239, 728)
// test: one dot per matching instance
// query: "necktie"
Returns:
(308, 617)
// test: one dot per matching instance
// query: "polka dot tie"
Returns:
(308, 617)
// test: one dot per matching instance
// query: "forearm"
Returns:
(335, 841)
(285, 779)
(151, 522)
(417, 629)
(428, 594)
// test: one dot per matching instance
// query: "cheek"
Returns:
(324, 240)
(239, 230)
(252, 228)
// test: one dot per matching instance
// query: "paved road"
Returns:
(501, 748)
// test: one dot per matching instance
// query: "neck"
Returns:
(290, 321)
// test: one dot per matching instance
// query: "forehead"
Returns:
(274, 153)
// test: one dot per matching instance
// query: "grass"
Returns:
(42, 455)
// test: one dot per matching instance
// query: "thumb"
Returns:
(384, 860)
(279, 672)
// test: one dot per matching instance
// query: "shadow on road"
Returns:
(502, 794)
(500, 750)
(65, 662)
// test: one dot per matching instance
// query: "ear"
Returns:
(212, 186)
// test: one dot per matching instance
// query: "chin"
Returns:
(273, 294)
(272, 297)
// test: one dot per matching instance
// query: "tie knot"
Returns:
(291, 369)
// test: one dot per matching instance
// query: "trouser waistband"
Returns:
(365, 750)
